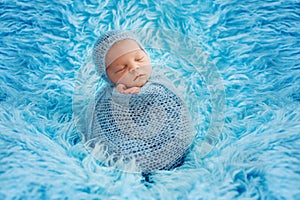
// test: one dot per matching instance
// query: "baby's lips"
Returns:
(138, 76)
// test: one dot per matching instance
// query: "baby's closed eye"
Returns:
(140, 58)
(121, 68)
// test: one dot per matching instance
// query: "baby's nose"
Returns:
(133, 67)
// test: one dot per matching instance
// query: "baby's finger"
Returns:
(135, 90)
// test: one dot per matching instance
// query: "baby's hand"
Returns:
(124, 90)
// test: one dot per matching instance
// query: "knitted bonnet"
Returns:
(104, 43)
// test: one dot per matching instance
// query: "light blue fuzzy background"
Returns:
(254, 44)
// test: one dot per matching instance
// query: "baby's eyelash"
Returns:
(140, 58)
(121, 69)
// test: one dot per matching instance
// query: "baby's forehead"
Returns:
(125, 45)
(121, 48)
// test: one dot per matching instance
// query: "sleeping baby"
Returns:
(139, 122)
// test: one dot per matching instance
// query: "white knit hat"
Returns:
(104, 43)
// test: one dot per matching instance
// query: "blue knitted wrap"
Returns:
(147, 131)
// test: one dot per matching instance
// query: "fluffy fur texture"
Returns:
(254, 45)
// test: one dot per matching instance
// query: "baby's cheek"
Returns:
(123, 78)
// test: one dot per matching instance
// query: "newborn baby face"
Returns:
(128, 64)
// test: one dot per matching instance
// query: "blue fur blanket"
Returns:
(254, 47)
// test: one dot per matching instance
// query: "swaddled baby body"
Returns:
(139, 122)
